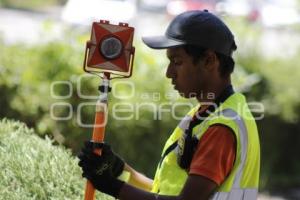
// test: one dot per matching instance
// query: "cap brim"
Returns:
(161, 42)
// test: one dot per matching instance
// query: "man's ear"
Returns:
(211, 60)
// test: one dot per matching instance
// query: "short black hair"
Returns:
(226, 62)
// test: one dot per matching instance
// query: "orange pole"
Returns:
(98, 135)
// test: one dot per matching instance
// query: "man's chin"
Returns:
(182, 94)
(186, 95)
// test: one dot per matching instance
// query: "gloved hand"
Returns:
(96, 163)
(104, 181)
(102, 170)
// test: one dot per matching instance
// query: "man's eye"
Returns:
(176, 62)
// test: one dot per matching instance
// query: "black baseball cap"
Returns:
(200, 28)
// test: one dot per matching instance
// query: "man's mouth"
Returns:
(175, 86)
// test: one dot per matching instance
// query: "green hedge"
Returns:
(33, 168)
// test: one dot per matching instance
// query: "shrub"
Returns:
(33, 168)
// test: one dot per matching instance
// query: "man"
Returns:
(214, 152)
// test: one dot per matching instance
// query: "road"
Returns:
(31, 27)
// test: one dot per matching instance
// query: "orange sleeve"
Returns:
(215, 154)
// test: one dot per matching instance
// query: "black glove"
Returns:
(102, 170)
(96, 163)
(104, 182)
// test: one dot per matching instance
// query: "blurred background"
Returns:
(42, 42)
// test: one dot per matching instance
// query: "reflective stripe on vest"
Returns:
(237, 193)
(185, 122)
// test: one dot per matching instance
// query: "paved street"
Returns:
(27, 27)
(31, 27)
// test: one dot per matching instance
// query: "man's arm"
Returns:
(196, 188)
(138, 180)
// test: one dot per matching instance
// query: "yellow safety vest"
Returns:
(242, 182)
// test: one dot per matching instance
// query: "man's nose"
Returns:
(170, 72)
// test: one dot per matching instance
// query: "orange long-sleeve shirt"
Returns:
(215, 154)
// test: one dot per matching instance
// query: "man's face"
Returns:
(189, 78)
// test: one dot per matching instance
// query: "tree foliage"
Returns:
(30, 4)
(28, 73)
